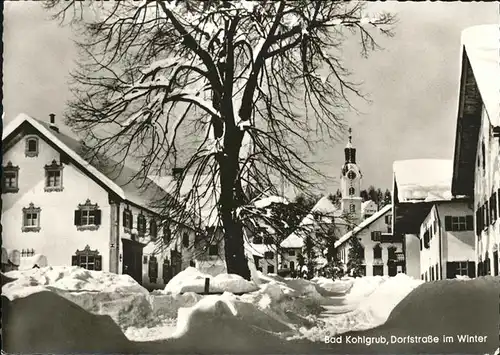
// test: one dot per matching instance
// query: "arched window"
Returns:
(352, 208)
(31, 149)
(351, 191)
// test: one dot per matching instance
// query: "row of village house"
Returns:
(442, 222)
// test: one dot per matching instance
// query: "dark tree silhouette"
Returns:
(236, 89)
(355, 257)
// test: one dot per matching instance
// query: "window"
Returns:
(493, 208)
(145, 259)
(167, 234)
(141, 224)
(10, 178)
(213, 250)
(483, 156)
(464, 268)
(270, 269)
(378, 270)
(486, 214)
(426, 240)
(268, 255)
(377, 252)
(27, 252)
(388, 219)
(458, 224)
(127, 219)
(257, 240)
(153, 269)
(185, 240)
(31, 219)
(292, 265)
(87, 259)
(376, 236)
(268, 240)
(291, 252)
(87, 216)
(351, 191)
(31, 147)
(153, 229)
(53, 177)
(392, 253)
(352, 208)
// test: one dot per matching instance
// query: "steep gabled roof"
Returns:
(479, 85)
(364, 224)
(120, 181)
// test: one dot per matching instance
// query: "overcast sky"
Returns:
(412, 83)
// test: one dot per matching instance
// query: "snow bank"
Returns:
(423, 179)
(377, 297)
(99, 292)
(30, 262)
(192, 280)
(69, 279)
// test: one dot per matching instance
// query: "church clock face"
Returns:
(351, 175)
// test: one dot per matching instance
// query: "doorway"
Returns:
(132, 259)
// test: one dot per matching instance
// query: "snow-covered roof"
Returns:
(325, 208)
(365, 223)
(119, 181)
(482, 46)
(367, 205)
(292, 241)
(423, 179)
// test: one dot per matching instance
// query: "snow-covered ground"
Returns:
(274, 314)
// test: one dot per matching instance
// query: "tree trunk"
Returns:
(234, 249)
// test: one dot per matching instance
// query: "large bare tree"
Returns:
(253, 81)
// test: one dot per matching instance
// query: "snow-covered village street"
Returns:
(275, 315)
(250, 177)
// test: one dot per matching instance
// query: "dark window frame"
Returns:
(82, 259)
(28, 213)
(10, 169)
(54, 168)
(31, 153)
(89, 212)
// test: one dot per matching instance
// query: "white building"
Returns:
(57, 204)
(476, 169)
(417, 185)
(447, 241)
(383, 252)
(368, 209)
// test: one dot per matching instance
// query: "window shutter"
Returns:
(97, 214)
(472, 269)
(447, 223)
(74, 260)
(451, 270)
(124, 218)
(98, 263)
(78, 218)
(469, 222)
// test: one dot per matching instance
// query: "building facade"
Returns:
(476, 170)
(57, 204)
(446, 238)
(382, 251)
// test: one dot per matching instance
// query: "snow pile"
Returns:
(99, 292)
(69, 279)
(29, 262)
(377, 297)
(192, 280)
(334, 286)
(423, 179)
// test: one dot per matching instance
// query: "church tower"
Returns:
(350, 184)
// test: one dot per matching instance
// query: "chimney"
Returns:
(53, 122)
